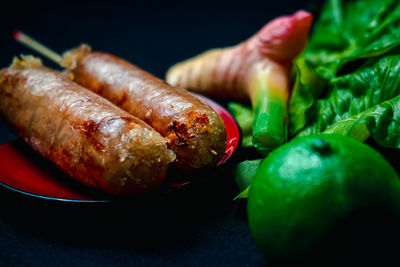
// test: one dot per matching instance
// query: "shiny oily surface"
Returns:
(194, 131)
(38, 178)
(83, 134)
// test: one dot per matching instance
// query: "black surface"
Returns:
(200, 226)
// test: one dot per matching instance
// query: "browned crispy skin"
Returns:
(196, 133)
(85, 135)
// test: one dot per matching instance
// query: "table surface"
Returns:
(197, 226)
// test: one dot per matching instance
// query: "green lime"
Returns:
(310, 189)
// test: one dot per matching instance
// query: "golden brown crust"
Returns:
(195, 132)
(85, 135)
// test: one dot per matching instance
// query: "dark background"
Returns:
(196, 226)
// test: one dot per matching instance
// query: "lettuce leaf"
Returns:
(350, 30)
(362, 103)
(244, 173)
(244, 117)
(308, 86)
(348, 34)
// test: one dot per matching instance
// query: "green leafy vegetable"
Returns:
(347, 79)
(244, 173)
(352, 29)
(362, 103)
(244, 117)
(308, 86)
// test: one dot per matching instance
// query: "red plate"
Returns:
(24, 171)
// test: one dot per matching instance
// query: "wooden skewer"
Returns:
(37, 46)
